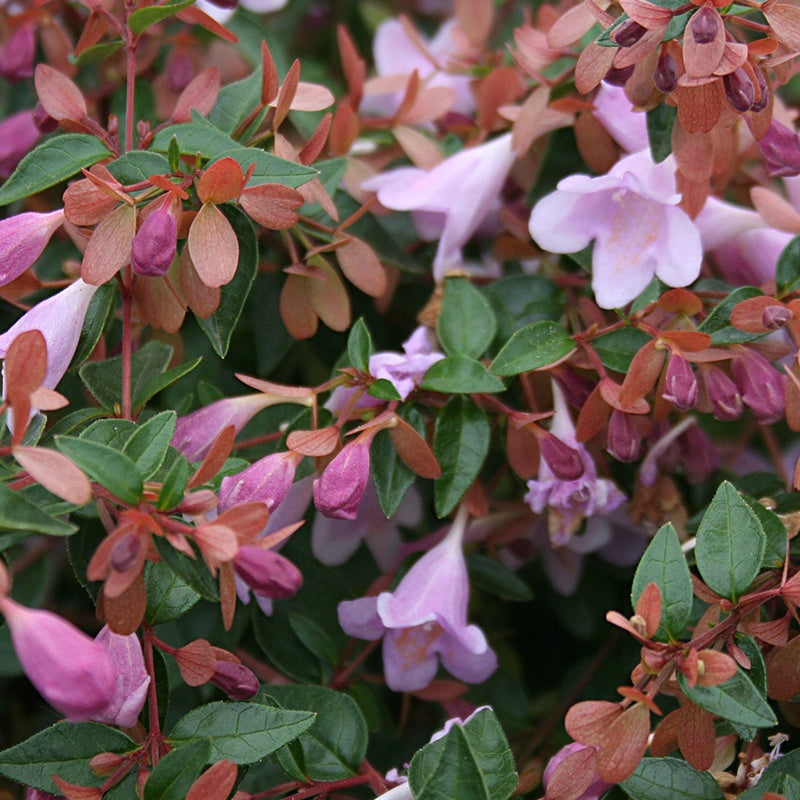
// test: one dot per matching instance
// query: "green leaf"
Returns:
(736, 700)
(138, 165)
(670, 779)
(241, 732)
(268, 168)
(359, 345)
(142, 18)
(617, 348)
(169, 597)
(177, 770)
(472, 761)
(780, 777)
(718, 325)
(149, 443)
(519, 300)
(96, 317)
(659, 130)
(64, 749)
(192, 571)
(787, 272)
(465, 325)
(104, 378)
(775, 532)
(460, 443)
(97, 53)
(664, 564)
(460, 375)
(161, 381)
(535, 346)
(383, 389)
(313, 637)
(19, 515)
(110, 468)
(174, 484)
(334, 746)
(235, 101)
(391, 477)
(730, 544)
(53, 161)
(220, 325)
(197, 136)
(493, 576)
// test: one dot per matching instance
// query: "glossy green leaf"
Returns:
(19, 515)
(717, 324)
(664, 564)
(95, 321)
(460, 375)
(196, 137)
(148, 444)
(359, 346)
(736, 700)
(471, 761)
(730, 544)
(219, 327)
(775, 532)
(268, 168)
(787, 271)
(63, 749)
(146, 391)
(177, 771)
(193, 571)
(174, 483)
(519, 300)
(617, 348)
(461, 442)
(51, 162)
(670, 779)
(334, 746)
(98, 52)
(660, 121)
(241, 732)
(390, 476)
(110, 468)
(465, 325)
(169, 597)
(138, 165)
(235, 101)
(383, 389)
(535, 346)
(493, 576)
(142, 18)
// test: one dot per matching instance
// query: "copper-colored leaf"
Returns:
(215, 783)
(247, 519)
(86, 204)
(681, 301)
(272, 205)
(316, 144)
(60, 97)
(329, 298)
(749, 314)
(222, 182)
(158, 304)
(586, 722)
(522, 451)
(695, 733)
(573, 776)
(292, 394)
(421, 149)
(196, 662)
(687, 341)
(297, 313)
(217, 543)
(55, 472)
(642, 373)
(783, 671)
(362, 267)
(344, 131)
(215, 458)
(202, 299)
(784, 20)
(199, 95)
(321, 442)
(286, 94)
(109, 248)
(311, 97)
(25, 364)
(502, 86)
(194, 16)
(74, 791)
(474, 17)
(592, 65)
(703, 42)
(269, 76)
(570, 26)
(623, 744)
(213, 246)
(353, 66)
(700, 107)
(414, 451)
(775, 210)
(648, 607)
(125, 612)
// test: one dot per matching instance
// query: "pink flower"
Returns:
(632, 216)
(405, 372)
(154, 245)
(425, 620)
(615, 113)
(265, 481)
(71, 671)
(17, 54)
(338, 491)
(18, 134)
(22, 240)
(452, 200)
(780, 148)
(132, 679)
(267, 573)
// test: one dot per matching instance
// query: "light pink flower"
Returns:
(338, 491)
(615, 113)
(264, 481)
(18, 134)
(223, 11)
(23, 239)
(71, 671)
(452, 200)
(632, 216)
(405, 372)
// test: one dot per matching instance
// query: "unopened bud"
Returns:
(236, 680)
(699, 456)
(565, 461)
(179, 70)
(17, 54)
(618, 76)
(154, 245)
(338, 491)
(723, 394)
(124, 552)
(666, 75)
(761, 385)
(680, 385)
(627, 34)
(623, 441)
(780, 148)
(105, 763)
(704, 25)
(43, 121)
(267, 573)
(775, 317)
(739, 90)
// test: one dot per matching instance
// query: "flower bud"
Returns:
(704, 25)
(565, 461)
(338, 491)
(680, 385)
(266, 480)
(630, 32)
(618, 76)
(723, 394)
(23, 239)
(623, 441)
(18, 134)
(267, 573)
(154, 245)
(764, 93)
(739, 90)
(17, 54)
(699, 456)
(775, 317)
(780, 148)
(761, 385)
(179, 71)
(666, 75)
(236, 680)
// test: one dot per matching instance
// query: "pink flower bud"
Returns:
(266, 480)
(338, 491)
(18, 134)
(739, 90)
(680, 385)
(699, 456)
(666, 75)
(17, 54)
(723, 394)
(776, 317)
(630, 32)
(267, 573)
(623, 441)
(565, 461)
(22, 240)
(236, 680)
(761, 385)
(704, 25)
(71, 671)
(780, 148)
(154, 245)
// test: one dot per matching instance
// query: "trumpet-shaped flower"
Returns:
(22, 240)
(452, 200)
(425, 620)
(632, 216)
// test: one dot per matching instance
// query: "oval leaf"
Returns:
(537, 345)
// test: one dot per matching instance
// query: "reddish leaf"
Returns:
(329, 298)
(587, 721)
(286, 94)
(311, 97)
(194, 16)
(227, 599)
(215, 783)
(344, 131)
(202, 299)
(109, 248)
(292, 394)
(222, 182)
(593, 64)
(272, 205)
(714, 667)
(199, 95)
(648, 607)
(321, 442)
(642, 373)
(55, 472)
(59, 96)
(125, 612)
(703, 42)
(297, 312)
(315, 145)
(687, 341)
(783, 671)
(700, 107)
(354, 67)
(25, 364)
(73, 791)
(217, 543)
(196, 662)
(414, 450)
(215, 458)
(695, 734)
(573, 776)
(269, 76)
(623, 744)
(749, 314)
(362, 267)
(247, 519)
(213, 247)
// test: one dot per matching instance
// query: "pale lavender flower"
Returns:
(632, 216)
(569, 502)
(132, 679)
(17, 54)
(223, 11)
(23, 239)
(615, 113)
(60, 319)
(424, 620)
(18, 134)
(452, 200)
(71, 671)
(405, 372)
(448, 725)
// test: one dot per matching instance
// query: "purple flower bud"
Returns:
(704, 25)
(576, 388)
(565, 461)
(338, 491)
(18, 134)
(124, 553)
(630, 32)
(17, 54)
(780, 148)
(761, 385)
(618, 76)
(764, 93)
(723, 394)
(739, 90)
(236, 680)
(699, 456)
(180, 70)
(71, 671)
(666, 75)
(680, 385)
(775, 317)
(154, 245)
(267, 573)
(266, 481)
(43, 121)
(623, 441)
